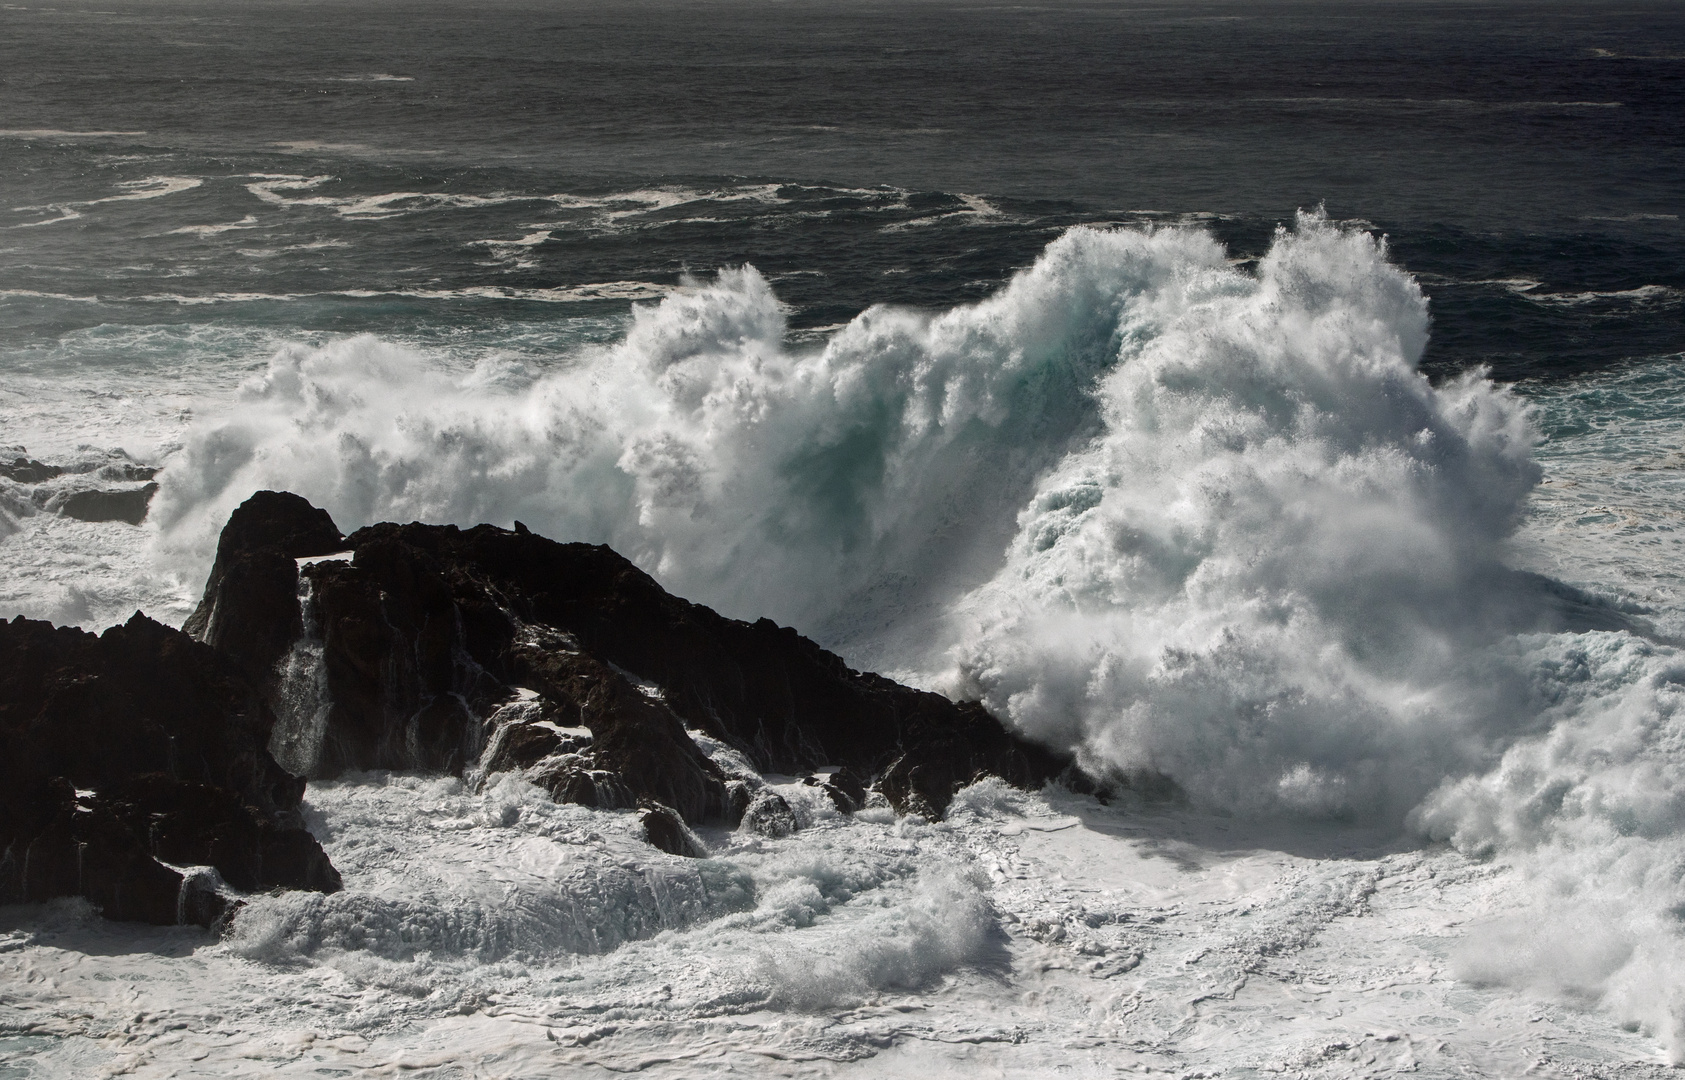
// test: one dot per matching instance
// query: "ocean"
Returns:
(1287, 399)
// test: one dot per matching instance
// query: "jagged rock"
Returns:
(789, 705)
(425, 632)
(22, 469)
(946, 748)
(770, 815)
(666, 830)
(845, 790)
(637, 738)
(136, 748)
(250, 609)
(521, 746)
(576, 782)
(127, 505)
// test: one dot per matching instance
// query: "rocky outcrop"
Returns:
(127, 505)
(98, 485)
(250, 609)
(159, 773)
(18, 466)
(443, 649)
(134, 772)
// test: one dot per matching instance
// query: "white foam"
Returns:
(247, 222)
(1209, 469)
(55, 133)
(1125, 941)
(1178, 514)
(312, 560)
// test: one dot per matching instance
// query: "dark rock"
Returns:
(576, 782)
(944, 749)
(738, 797)
(129, 504)
(136, 748)
(521, 746)
(770, 815)
(26, 470)
(666, 830)
(789, 705)
(250, 610)
(637, 738)
(424, 633)
(845, 790)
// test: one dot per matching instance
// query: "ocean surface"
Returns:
(1287, 398)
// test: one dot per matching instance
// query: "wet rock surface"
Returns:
(160, 773)
(128, 505)
(17, 465)
(98, 485)
(664, 829)
(421, 639)
(128, 756)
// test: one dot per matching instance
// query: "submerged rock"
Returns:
(405, 655)
(127, 756)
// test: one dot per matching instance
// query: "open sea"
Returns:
(1287, 398)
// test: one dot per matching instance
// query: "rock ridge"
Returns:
(431, 640)
(160, 773)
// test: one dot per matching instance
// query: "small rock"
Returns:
(665, 830)
(129, 505)
(26, 470)
(769, 815)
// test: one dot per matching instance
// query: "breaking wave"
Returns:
(1185, 517)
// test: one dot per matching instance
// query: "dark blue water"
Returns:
(456, 168)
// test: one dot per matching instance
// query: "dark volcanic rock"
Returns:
(250, 610)
(138, 748)
(26, 470)
(424, 633)
(128, 504)
(666, 830)
(845, 790)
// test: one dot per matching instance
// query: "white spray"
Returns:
(1175, 514)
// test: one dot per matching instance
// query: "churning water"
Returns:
(1287, 400)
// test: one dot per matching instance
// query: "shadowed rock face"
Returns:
(138, 768)
(432, 641)
(250, 610)
(129, 505)
(138, 748)
(25, 469)
(108, 487)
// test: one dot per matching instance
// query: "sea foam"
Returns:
(1181, 516)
